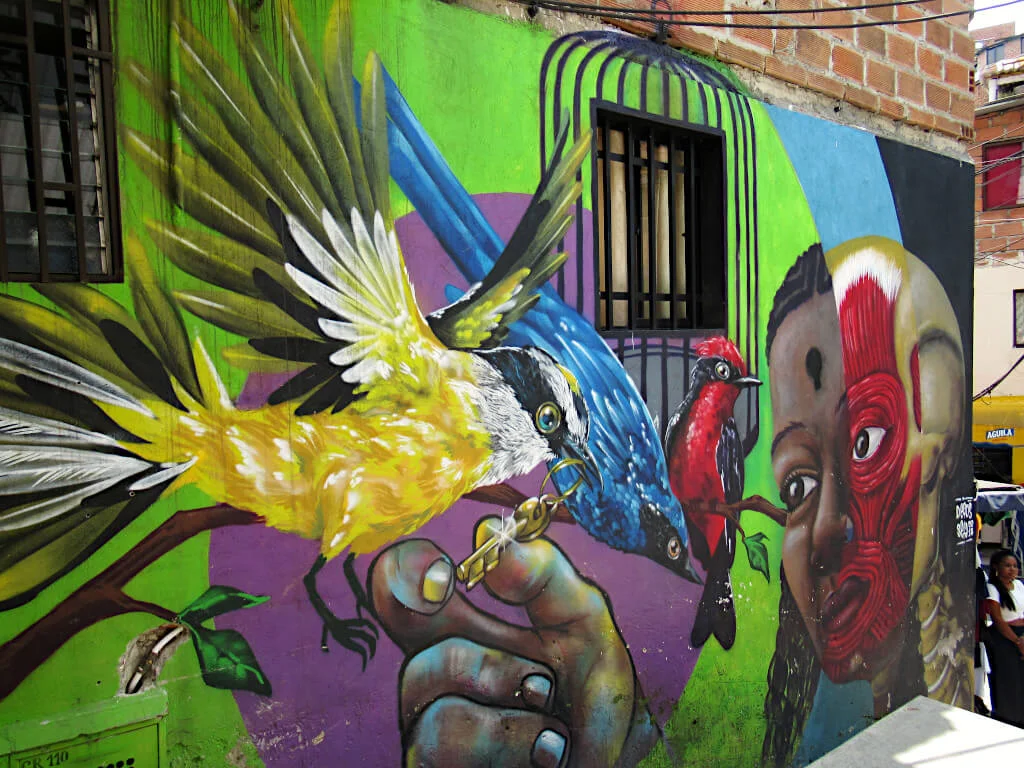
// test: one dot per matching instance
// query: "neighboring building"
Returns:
(732, 266)
(998, 152)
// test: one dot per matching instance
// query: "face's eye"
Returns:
(867, 442)
(674, 548)
(796, 489)
(548, 418)
(722, 370)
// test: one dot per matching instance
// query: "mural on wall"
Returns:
(394, 417)
(868, 395)
(363, 415)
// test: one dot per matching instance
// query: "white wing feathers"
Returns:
(39, 454)
(367, 288)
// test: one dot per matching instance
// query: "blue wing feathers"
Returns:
(623, 437)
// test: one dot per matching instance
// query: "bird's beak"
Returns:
(748, 381)
(582, 454)
(683, 567)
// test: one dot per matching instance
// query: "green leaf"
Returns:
(757, 553)
(216, 600)
(226, 661)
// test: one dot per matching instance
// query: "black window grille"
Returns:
(58, 202)
(660, 224)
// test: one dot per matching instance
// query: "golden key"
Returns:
(529, 520)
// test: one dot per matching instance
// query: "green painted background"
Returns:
(473, 82)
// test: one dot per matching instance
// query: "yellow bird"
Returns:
(390, 415)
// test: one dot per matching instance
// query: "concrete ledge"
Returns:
(929, 734)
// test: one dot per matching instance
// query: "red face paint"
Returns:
(877, 560)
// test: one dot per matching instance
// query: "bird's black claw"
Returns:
(352, 634)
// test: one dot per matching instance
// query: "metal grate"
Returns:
(659, 225)
(58, 218)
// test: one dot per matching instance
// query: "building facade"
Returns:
(999, 238)
(408, 382)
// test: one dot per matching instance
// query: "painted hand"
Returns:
(475, 690)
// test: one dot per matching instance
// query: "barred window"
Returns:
(58, 203)
(659, 224)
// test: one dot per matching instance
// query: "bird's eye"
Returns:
(548, 418)
(674, 548)
(722, 370)
(867, 442)
(796, 489)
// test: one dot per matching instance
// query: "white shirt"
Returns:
(1017, 593)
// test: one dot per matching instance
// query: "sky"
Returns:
(987, 18)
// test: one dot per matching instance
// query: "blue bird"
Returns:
(633, 510)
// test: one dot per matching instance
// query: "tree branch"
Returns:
(732, 511)
(103, 596)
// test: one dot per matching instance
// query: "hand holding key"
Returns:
(529, 520)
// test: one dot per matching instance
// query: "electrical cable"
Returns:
(652, 16)
(996, 139)
(988, 390)
(569, 4)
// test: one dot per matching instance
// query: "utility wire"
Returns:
(998, 138)
(568, 4)
(652, 16)
(988, 390)
(988, 165)
(999, 250)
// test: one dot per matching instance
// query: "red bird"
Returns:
(705, 465)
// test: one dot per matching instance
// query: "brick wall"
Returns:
(919, 72)
(1000, 230)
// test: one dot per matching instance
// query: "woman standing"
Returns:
(1005, 644)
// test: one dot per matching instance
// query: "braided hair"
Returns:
(1005, 599)
(794, 669)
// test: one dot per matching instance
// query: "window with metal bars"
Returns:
(659, 224)
(58, 202)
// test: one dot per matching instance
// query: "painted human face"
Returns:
(838, 452)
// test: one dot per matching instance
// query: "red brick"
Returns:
(945, 125)
(847, 63)
(963, 46)
(882, 78)
(914, 29)
(962, 107)
(929, 62)
(937, 96)
(864, 98)
(881, 14)
(813, 49)
(982, 231)
(902, 50)
(871, 39)
(701, 5)
(731, 53)
(762, 38)
(990, 244)
(989, 132)
(910, 87)
(783, 40)
(938, 34)
(791, 73)
(1008, 229)
(825, 84)
(920, 117)
(840, 16)
(686, 37)
(956, 75)
(892, 108)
